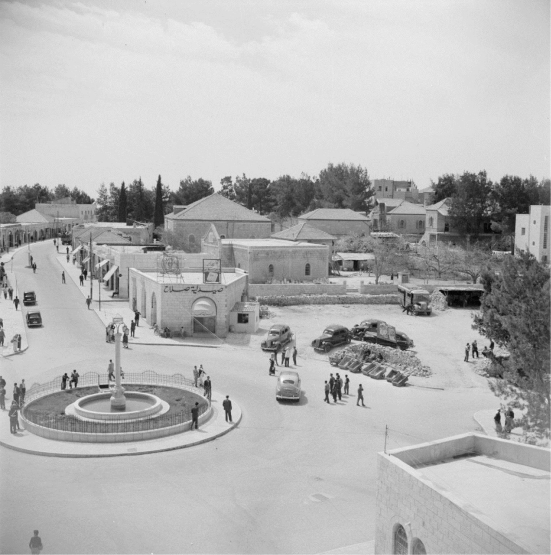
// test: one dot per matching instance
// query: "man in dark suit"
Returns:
(195, 416)
(227, 408)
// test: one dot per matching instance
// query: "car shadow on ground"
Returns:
(302, 401)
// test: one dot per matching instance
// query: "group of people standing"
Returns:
(19, 392)
(71, 380)
(472, 349)
(509, 420)
(286, 354)
(200, 379)
(336, 387)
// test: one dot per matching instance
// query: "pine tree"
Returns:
(159, 215)
(123, 204)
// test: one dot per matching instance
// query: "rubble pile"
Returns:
(438, 301)
(404, 361)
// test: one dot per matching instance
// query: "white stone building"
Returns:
(532, 232)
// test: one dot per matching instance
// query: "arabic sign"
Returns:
(192, 289)
(212, 270)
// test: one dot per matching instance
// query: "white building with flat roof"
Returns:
(532, 232)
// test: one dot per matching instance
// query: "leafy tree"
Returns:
(345, 186)
(254, 193)
(103, 209)
(243, 192)
(159, 215)
(439, 259)
(515, 313)
(445, 187)
(474, 260)
(192, 190)
(61, 191)
(80, 197)
(292, 196)
(511, 198)
(471, 206)
(140, 202)
(123, 204)
(227, 190)
(7, 218)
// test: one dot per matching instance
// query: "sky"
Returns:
(109, 91)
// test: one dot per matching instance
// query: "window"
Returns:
(400, 541)
(307, 270)
(242, 318)
(402, 224)
(380, 188)
(386, 188)
(418, 547)
(533, 243)
(271, 269)
(523, 231)
(239, 264)
(544, 259)
(421, 224)
(191, 240)
(431, 221)
(222, 236)
(446, 226)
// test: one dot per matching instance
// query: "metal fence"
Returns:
(73, 424)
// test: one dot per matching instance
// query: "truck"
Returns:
(380, 333)
(278, 336)
(414, 300)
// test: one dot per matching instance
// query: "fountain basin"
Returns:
(98, 406)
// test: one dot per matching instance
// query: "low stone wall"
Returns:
(289, 289)
(328, 299)
(370, 289)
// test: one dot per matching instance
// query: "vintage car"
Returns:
(380, 333)
(29, 297)
(332, 336)
(414, 300)
(278, 336)
(34, 319)
(288, 386)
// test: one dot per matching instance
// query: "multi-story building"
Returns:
(399, 216)
(68, 208)
(532, 232)
(389, 188)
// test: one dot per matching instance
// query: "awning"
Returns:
(111, 271)
(77, 249)
(102, 263)
(86, 260)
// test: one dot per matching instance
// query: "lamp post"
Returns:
(118, 400)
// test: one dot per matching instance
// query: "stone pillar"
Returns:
(118, 400)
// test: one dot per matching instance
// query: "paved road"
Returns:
(290, 479)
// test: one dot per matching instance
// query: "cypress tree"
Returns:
(123, 204)
(159, 215)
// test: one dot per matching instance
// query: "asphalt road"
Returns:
(290, 479)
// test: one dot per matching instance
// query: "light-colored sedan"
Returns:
(288, 386)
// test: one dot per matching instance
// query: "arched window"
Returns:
(418, 547)
(271, 269)
(222, 236)
(400, 542)
(307, 269)
(402, 224)
(431, 221)
(191, 240)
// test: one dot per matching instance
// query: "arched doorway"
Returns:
(144, 303)
(203, 313)
(34, 235)
(153, 309)
(400, 541)
(10, 239)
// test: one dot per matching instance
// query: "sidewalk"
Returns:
(110, 307)
(14, 320)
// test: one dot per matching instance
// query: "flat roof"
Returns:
(269, 242)
(514, 496)
(189, 278)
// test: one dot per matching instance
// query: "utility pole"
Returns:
(90, 264)
(386, 433)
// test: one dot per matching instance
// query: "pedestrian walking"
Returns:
(62, 277)
(334, 391)
(497, 421)
(34, 267)
(208, 388)
(509, 417)
(2, 398)
(18, 341)
(22, 392)
(55, 243)
(81, 280)
(67, 251)
(271, 370)
(125, 339)
(467, 349)
(32, 261)
(85, 273)
(64, 380)
(201, 379)
(195, 416)
(13, 416)
(16, 302)
(10, 292)
(282, 356)
(57, 248)
(15, 394)
(5, 293)
(132, 328)
(2, 337)
(295, 352)
(360, 396)
(274, 358)
(137, 318)
(227, 408)
(474, 349)
(88, 301)
(110, 370)
(74, 259)
(331, 381)
(68, 258)
(74, 379)
(346, 385)
(195, 375)
(287, 356)
(327, 389)
(36, 544)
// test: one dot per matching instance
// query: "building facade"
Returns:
(68, 208)
(532, 232)
(402, 217)
(187, 225)
(389, 188)
(337, 221)
(464, 494)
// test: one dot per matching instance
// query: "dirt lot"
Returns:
(439, 339)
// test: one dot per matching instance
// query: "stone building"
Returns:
(68, 208)
(266, 260)
(390, 188)
(532, 232)
(187, 225)
(399, 216)
(306, 233)
(465, 494)
(337, 221)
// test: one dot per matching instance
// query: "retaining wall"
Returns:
(290, 289)
(328, 299)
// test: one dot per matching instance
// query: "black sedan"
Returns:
(34, 319)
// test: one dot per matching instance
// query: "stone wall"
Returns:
(295, 289)
(369, 289)
(340, 227)
(328, 299)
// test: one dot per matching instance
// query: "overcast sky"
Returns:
(106, 90)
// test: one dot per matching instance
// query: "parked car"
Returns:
(34, 319)
(278, 336)
(29, 297)
(380, 333)
(332, 336)
(288, 386)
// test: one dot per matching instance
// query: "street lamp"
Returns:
(118, 400)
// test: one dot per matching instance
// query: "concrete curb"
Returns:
(66, 449)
